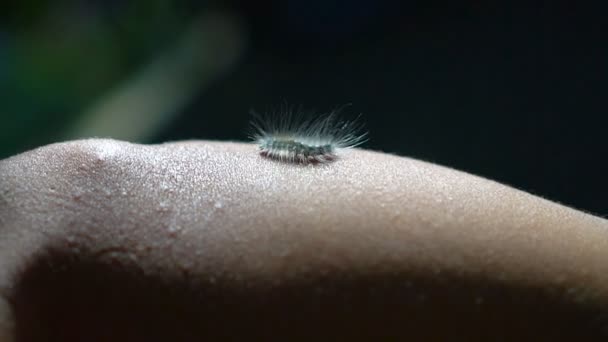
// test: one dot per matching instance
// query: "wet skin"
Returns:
(106, 240)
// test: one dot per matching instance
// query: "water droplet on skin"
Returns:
(71, 240)
(112, 256)
(174, 229)
(163, 206)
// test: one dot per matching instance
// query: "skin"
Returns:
(104, 240)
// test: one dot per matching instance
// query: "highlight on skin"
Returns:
(188, 240)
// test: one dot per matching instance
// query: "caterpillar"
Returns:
(295, 137)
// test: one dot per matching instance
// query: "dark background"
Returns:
(512, 92)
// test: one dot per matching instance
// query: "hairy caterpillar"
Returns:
(303, 139)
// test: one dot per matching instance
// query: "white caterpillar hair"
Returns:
(298, 137)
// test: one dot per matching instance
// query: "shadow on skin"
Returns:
(61, 297)
(103, 240)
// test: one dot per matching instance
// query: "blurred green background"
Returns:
(513, 92)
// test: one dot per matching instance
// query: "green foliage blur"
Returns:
(513, 91)
(58, 57)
